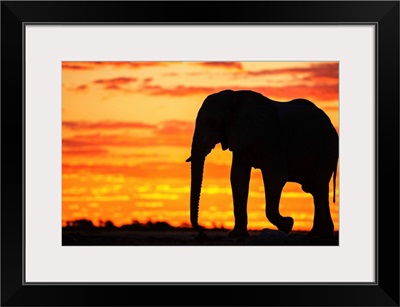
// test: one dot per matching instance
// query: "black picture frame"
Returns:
(383, 14)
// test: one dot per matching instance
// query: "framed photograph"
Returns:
(136, 187)
(246, 149)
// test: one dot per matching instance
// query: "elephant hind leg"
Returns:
(323, 225)
(273, 189)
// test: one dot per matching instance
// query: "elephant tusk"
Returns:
(206, 152)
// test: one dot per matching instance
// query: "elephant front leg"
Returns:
(273, 185)
(240, 179)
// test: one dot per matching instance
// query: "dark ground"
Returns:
(185, 237)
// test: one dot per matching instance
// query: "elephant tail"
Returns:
(334, 184)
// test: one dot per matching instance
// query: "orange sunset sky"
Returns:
(127, 130)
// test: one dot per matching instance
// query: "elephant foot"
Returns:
(286, 224)
(238, 233)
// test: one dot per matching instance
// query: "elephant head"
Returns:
(235, 119)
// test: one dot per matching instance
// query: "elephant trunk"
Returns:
(197, 165)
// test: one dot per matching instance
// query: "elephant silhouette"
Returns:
(292, 141)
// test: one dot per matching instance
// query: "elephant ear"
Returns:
(254, 118)
(224, 144)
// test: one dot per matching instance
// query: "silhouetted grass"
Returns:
(83, 232)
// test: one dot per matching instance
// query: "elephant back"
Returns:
(308, 133)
